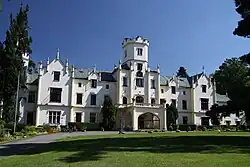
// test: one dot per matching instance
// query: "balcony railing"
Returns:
(140, 105)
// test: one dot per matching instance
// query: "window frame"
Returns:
(173, 89)
(139, 51)
(78, 99)
(52, 98)
(32, 97)
(54, 117)
(206, 103)
(184, 104)
(93, 83)
(95, 117)
(55, 79)
(92, 102)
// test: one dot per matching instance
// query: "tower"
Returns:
(135, 51)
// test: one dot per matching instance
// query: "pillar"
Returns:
(134, 119)
(148, 88)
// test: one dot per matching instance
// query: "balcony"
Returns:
(146, 105)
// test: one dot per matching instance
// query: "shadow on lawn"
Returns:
(94, 149)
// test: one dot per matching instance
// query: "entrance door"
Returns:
(78, 117)
(30, 118)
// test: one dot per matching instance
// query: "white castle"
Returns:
(58, 93)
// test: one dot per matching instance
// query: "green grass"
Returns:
(192, 149)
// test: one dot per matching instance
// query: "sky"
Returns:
(185, 33)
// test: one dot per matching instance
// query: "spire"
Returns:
(203, 69)
(120, 64)
(66, 66)
(57, 54)
(95, 68)
(158, 68)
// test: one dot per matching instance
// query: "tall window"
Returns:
(56, 76)
(139, 82)
(152, 84)
(93, 99)
(125, 82)
(124, 100)
(139, 66)
(55, 95)
(184, 104)
(107, 86)
(139, 51)
(94, 83)
(54, 117)
(162, 90)
(153, 101)
(173, 102)
(92, 117)
(79, 98)
(204, 104)
(185, 120)
(162, 101)
(204, 88)
(79, 84)
(173, 89)
(32, 97)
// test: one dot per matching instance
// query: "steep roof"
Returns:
(221, 98)
(31, 78)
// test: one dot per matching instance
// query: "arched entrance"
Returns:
(148, 121)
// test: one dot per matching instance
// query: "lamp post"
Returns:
(17, 92)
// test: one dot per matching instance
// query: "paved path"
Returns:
(20, 146)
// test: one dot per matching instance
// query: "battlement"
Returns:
(137, 39)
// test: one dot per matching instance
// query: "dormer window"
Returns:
(204, 88)
(93, 83)
(139, 51)
(56, 76)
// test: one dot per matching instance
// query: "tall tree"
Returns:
(243, 9)
(172, 114)
(17, 43)
(182, 72)
(108, 114)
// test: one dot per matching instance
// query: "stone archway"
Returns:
(148, 121)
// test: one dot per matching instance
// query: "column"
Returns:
(134, 119)
(148, 88)
(158, 89)
(131, 86)
(38, 101)
(164, 118)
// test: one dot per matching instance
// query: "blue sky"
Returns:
(181, 33)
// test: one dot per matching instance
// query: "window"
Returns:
(139, 99)
(55, 95)
(173, 89)
(152, 84)
(204, 104)
(139, 82)
(152, 101)
(184, 92)
(162, 101)
(54, 117)
(139, 66)
(124, 100)
(139, 74)
(139, 51)
(204, 88)
(185, 120)
(32, 97)
(93, 83)
(173, 102)
(125, 82)
(125, 53)
(78, 117)
(79, 84)
(162, 90)
(107, 86)
(56, 76)
(79, 98)
(93, 99)
(184, 104)
(92, 117)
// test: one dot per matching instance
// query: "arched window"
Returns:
(124, 100)
(139, 99)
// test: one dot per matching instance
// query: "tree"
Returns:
(108, 114)
(17, 42)
(233, 78)
(172, 114)
(182, 72)
(243, 9)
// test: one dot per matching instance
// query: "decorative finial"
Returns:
(203, 69)
(120, 62)
(94, 67)
(48, 59)
(57, 54)
(67, 61)
(158, 66)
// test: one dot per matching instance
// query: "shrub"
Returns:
(187, 127)
(84, 125)
(30, 128)
(46, 127)
(19, 127)
(171, 128)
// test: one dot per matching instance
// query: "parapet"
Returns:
(137, 39)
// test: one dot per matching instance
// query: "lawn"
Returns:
(191, 149)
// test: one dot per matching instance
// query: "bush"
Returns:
(171, 128)
(46, 128)
(19, 127)
(187, 127)
(85, 126)
(30, 128)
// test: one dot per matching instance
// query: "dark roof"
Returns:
(32, 78)
(81, 73)
(125, 66)
(107, 76)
